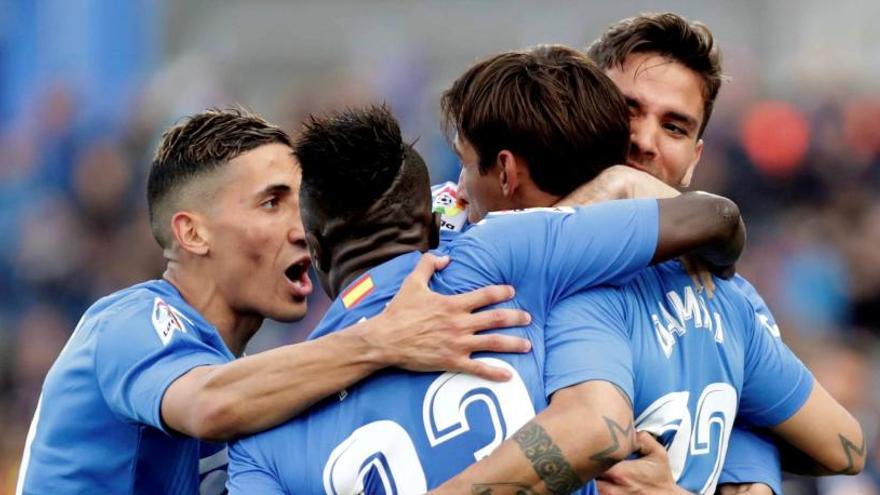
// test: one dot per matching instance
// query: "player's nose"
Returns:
(643, 138)
(296, 234)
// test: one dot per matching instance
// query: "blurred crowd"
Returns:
(804, 168)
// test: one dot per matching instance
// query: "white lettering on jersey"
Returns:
(765, 322)
(689, 307)
(167, 320)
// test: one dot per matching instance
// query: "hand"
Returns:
(425, 331)
(744, 489)
(648, 474)
(700, 274)
(619, 182)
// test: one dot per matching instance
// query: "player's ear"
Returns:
(509, 172)
(317, 252)
(190, 232)
(698, 152)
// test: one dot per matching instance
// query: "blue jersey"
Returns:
(690, 364)
(98, 425)
(401, 432)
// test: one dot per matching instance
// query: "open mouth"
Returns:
(297, 275)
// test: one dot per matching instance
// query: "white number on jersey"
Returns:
(388, 448)
(716, 406)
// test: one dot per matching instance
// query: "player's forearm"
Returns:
(827, 434)
(701, 223)
(258, 392)
(619, 182)
(574, 440)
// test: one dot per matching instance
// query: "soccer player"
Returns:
(472, 106)
(674, 127)
(367, 209)
(151, 369)
(669, 69)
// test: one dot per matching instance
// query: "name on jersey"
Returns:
(687, 306)
(167, 320)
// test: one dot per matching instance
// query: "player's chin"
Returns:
(294, 310)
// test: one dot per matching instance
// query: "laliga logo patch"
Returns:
(166, 320)
(445, 202)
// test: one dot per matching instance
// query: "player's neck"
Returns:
(352, 258)
(236, 329)
(531, 197)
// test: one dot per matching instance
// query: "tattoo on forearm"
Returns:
(501, 489)
(849, 448)
(547, 459)
(626, 440)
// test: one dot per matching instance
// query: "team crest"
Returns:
(167, 320)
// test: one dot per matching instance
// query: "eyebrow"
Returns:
(682, 118)
(279, 189)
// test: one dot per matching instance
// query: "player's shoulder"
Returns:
(153, 306)
(501, 226)
(367, 295)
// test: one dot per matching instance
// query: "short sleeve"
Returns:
(551, 253)
(776, 383)
(134, 366)
(247, 475)
(752, 457)
(586, 339)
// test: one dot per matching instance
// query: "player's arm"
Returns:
(588, 426)
(572, 249)
(706, 225)
(420, 330)
(780, 393)
(829, 439)
(586, 429)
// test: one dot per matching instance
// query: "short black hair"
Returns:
(356, 168)
(200, 144)
(669, 35)
(550, 105)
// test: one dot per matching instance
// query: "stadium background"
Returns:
(86, 86)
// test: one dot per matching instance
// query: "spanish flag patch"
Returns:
(358, 290)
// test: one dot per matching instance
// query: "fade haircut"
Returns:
(549, 105)
(200, 144)
(669, 35)
(358, 172)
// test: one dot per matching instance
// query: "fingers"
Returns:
(607, 488)
(498, 343)
(425, 268)
(692, 270)
(492, 294)
(708, 282)
(497, 318)
(648, 445)
(484, 370)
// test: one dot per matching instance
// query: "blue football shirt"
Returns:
(98, 425)
(400, 432)
(752, 457)
(690, 364)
